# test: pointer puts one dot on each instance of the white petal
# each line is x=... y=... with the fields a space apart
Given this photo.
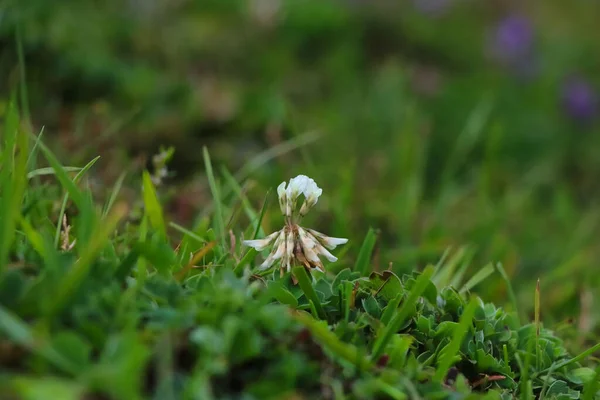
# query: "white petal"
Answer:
x=281 y=193
x=266 y=264
x=279 y=251
x=306 y=239
x=329 y=242
x=322 y=250
x=261 y=244
x=281 y=189
x=311 y=196
x=312 y=245
x=312 y=242
x=297 y=185
x=311 y=255
x=312 y=192
x=276 y=253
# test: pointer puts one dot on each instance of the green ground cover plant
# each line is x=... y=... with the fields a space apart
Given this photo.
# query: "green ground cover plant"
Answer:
x=113 y=300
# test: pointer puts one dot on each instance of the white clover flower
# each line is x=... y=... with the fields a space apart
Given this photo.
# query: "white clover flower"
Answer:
x=295 y=188
x=294 y=245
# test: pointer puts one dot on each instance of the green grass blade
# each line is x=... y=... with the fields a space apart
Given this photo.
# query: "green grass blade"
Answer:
x=32 y=158
x=479 y=277
x=63 y=177
x=251 y=254
x=445 y=271
x=390 y=309
x=580 y=357
x=49 y=171
x=22 y=77
x=509 y=288
x=468 y=137
x=458 y=276
x=247 y=259
x=527 y=392
x=449 y=352
x=591 y=387
x=13 y=181
x=442 y=261
x=347 y=288
x=237 y=189
x=546 y=382
x=306 y=285
x=114 y=193
x=73 y=189
x=386 y=334
x=43 y=247
x=393 y=392
x=537 y=325
x=525 y=384
x=126 y=265
x=257 y=228
x=152 y=206
x=330 y=340
x=187 y=232
x=274 y=152
x=363 y=261
x=212 y=182
x=19 y=332
x=81 y=268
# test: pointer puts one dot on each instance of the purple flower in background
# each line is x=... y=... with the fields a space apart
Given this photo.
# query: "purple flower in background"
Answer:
x=512 y=39
x=579 y=99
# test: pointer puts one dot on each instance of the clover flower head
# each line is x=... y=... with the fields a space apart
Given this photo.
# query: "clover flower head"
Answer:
x=293 y=244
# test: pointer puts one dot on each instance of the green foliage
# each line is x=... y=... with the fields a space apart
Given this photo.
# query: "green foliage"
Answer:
x=125 y=314
x=401 y=111
x=400 y=114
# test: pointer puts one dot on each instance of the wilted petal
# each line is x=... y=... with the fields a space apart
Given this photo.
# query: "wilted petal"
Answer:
x=308 y=242
x=289 y=251
x=329 y=242
x=268 y=263
x=319 y=267
x=261 y=244
x=276 y=254
x=313 y=243
x=312 y=246
x=280 y=249
x=310 y=254
x=322 y=250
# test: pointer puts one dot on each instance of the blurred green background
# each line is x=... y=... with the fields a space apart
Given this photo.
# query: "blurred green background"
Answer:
x=441 y=123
